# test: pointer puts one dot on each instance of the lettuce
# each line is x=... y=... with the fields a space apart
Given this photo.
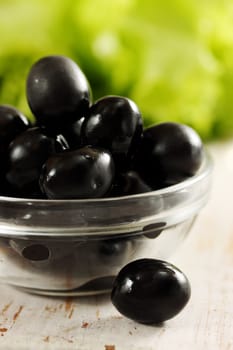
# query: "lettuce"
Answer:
x=173 y=58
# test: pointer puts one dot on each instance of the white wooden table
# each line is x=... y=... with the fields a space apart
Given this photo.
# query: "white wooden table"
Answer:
x=34 y=323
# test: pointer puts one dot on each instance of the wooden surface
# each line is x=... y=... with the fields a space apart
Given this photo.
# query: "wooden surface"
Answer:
x=33 y=322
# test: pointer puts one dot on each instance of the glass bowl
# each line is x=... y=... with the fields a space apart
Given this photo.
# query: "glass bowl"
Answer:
x=76 y=247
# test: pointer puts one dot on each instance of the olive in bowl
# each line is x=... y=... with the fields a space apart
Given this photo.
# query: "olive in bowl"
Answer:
x=86 y=240
x=57 y=90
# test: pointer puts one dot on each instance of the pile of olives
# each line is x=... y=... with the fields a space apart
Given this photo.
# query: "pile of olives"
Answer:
x=78 y=149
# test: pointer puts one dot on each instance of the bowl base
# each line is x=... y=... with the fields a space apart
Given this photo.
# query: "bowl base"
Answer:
x=102 y=285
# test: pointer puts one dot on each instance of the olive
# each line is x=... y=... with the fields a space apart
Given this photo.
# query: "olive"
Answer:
x=150 y=291
x=58 y=92
x=26 y=156
x=128 y=183
x=83 y=173
x=41 y=250
x=115 y=248
x=114 y=123
x=72 y=134
x=12 y=123
x=169 y=152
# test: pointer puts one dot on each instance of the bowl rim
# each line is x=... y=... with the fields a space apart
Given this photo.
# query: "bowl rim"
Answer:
x=205 y=169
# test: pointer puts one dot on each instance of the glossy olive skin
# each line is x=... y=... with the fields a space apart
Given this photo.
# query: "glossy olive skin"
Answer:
x=73 y=135
x=128 y=183
x=12 y=123
x=61 y=143
x=169 y=153
x=150 y=291
x=58 y=92
x=114 y=123
x=84 y=173
x=26 y=156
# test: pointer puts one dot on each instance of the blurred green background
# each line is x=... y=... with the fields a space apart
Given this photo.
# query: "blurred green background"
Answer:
x=174 y=58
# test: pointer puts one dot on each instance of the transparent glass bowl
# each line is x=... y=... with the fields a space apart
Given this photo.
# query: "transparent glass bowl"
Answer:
x=76 y=247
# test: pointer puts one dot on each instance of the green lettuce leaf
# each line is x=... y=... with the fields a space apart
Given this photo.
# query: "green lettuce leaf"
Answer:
x=173 y=58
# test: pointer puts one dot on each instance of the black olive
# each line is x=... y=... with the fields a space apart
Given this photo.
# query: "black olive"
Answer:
x=36 y=252
x=12 y=123
x=84 y=173
x=27 y=154
x=112 y=247
x=128 y=183
x=58 y=92
x=114 y=123
x=153 y=231
x=150 y=291
x=169 y=153
x=72 y=134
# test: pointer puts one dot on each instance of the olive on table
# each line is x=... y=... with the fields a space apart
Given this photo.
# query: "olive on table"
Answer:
x=83 y=173
x=150 y=291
